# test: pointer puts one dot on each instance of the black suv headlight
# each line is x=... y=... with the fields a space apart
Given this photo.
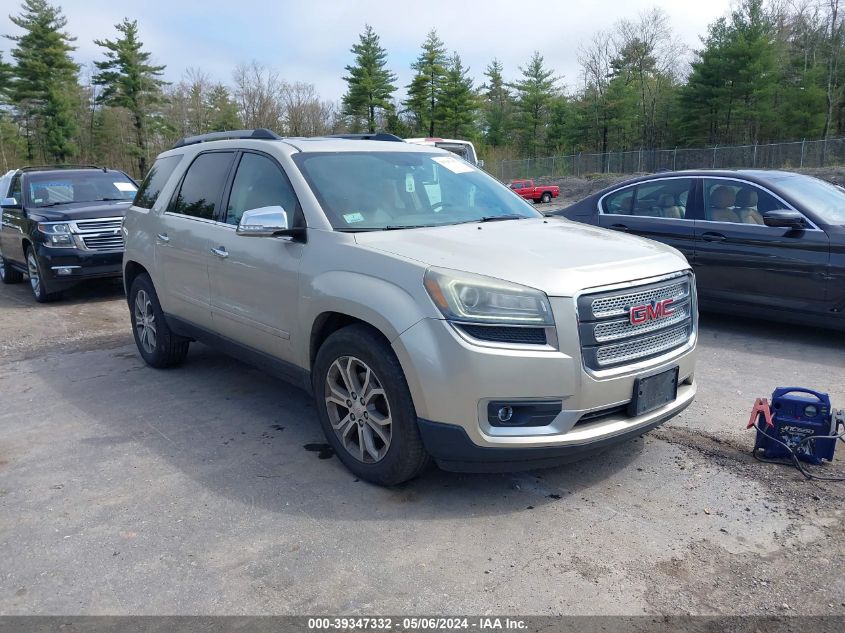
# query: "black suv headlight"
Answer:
x=57 y=234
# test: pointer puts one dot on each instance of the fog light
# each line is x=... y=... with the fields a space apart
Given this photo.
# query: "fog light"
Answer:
x=64 y=270
x=523 y=413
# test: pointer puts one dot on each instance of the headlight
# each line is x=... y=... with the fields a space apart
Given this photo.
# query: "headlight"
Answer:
x=478 y=299
x=57 y=234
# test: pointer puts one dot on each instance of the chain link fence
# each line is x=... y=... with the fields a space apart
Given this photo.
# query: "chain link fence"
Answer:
x=791 y=155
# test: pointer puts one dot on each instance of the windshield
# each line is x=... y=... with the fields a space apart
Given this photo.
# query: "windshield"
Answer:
x=57 y=188
x=369 y=191
x=822 y=199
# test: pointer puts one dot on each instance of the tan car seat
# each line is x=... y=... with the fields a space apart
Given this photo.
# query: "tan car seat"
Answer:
x=746 y=203
x=668 y=207
x=721 y=200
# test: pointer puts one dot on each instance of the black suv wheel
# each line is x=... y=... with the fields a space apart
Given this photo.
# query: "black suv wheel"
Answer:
x=9 y=275
x=37 y=283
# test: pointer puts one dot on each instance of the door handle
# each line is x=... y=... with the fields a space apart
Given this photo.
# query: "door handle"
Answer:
x=221 y=252
x=620 y=227
x=162 y=237
x=713 y=237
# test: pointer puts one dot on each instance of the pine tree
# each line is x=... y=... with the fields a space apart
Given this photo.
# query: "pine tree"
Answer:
x=44 y=80
x=370 y=82
x=130 y=81
x=729 y=95
x=223 y=111
x=5 y=79
x=425 y=86
x=457 y=103
x=534 y=93
x=498 y=106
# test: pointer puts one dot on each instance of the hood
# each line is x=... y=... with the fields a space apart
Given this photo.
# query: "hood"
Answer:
x=554 y=255
x=79 y=211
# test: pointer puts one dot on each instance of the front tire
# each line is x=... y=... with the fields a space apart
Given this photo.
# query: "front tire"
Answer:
x=37 y=283
x=546 y=197
x=157 y=344
x=365 y=407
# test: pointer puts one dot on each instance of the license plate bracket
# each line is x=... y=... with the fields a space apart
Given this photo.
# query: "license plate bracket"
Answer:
x=652 y=392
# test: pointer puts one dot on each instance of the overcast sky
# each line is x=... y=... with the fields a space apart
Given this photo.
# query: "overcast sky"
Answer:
x=309 y=40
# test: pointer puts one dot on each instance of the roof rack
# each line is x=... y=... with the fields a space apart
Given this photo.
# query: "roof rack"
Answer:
x=374 y=136
x=68 y=166
x=261 y=133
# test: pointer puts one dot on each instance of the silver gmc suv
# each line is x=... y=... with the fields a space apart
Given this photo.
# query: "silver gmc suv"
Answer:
x=431 y=312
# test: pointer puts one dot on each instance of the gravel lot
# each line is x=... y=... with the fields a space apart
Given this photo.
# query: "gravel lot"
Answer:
x=126 y=490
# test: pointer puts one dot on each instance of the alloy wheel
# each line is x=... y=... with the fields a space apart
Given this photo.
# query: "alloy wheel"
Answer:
x=358 y=409
x=34 y=275
x=145 y=321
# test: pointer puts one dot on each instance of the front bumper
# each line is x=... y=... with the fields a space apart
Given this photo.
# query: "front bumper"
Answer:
x=452 y=380
x=68 y=266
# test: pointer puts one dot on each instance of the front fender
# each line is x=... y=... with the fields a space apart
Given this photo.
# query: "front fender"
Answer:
x=386 y=306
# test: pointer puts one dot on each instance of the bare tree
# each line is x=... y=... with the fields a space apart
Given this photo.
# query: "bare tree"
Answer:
x=304 y=113
x=259 y=93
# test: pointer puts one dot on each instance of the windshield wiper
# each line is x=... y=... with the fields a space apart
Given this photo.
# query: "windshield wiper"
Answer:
x=54 y=204
x=400 y=227
x=111 y=200
x=499 y=218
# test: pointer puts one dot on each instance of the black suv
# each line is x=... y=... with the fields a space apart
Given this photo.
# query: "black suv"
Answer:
x=62 y=225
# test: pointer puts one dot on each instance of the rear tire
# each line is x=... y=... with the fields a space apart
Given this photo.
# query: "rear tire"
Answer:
x=359 y=386
x=9 y=275
x=546 y=197
x=37 y=283
x=157 y=344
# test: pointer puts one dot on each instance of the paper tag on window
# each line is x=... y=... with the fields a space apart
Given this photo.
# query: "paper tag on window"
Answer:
x=351 y=218
x=452 y=164
x=124 y=186
x=409 y=183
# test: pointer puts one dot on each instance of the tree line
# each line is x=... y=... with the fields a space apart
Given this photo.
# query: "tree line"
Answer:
x=767 y=71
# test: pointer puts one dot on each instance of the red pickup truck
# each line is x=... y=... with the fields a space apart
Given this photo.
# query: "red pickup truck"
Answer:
x=527 y=189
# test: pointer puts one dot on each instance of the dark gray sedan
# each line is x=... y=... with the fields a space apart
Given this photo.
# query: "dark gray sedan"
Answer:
x=763 y=244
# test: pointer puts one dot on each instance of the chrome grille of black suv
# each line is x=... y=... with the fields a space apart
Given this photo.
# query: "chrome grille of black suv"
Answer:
x=100 y=234
x=610 y=339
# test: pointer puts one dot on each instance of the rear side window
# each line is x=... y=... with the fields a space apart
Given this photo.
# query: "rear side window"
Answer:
x=203 y=185
x=658 y=199
x=155 y=181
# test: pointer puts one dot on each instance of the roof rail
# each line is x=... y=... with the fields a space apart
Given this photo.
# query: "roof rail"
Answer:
x=374 y=136
x=67 y=166
x=258 y=133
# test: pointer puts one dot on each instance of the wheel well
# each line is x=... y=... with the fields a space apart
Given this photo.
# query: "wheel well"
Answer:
x=327 y=324
x=130 y=272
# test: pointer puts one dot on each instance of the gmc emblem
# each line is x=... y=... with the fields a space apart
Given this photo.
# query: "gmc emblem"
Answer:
x=651 y=311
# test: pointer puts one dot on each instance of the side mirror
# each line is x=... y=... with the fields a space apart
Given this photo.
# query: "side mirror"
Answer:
x=10 y=202
x=481 y=163
x=263 y=222
x=784 y=218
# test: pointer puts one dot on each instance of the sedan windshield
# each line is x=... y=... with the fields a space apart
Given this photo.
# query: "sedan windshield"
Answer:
x=820 y=198
x=59 y=188
x=371 y=191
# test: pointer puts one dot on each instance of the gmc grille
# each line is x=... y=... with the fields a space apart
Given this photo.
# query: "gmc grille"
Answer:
x=610 y=339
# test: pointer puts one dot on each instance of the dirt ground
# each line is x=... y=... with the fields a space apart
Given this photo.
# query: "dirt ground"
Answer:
x=126 y=490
